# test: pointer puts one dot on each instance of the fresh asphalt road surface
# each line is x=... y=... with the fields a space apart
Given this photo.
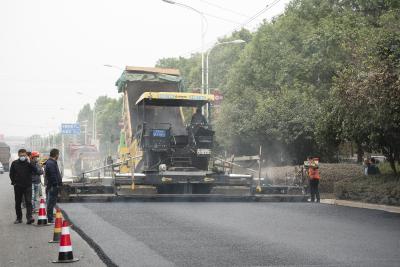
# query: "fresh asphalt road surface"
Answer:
x=239 y=234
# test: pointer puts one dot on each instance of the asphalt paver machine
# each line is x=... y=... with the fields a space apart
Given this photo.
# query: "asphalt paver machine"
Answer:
x=169 y=151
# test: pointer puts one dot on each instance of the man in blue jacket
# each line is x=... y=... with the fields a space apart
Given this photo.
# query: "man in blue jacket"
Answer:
x=53 y=182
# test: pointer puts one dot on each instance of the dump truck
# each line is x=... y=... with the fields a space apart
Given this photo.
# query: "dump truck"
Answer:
x=82 y=157
x=5 y=156
x=168 y=149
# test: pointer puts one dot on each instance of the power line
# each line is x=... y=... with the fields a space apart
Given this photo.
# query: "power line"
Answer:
x=260 y=13
x=224 y=8
x=221 y=18
x=241 y=25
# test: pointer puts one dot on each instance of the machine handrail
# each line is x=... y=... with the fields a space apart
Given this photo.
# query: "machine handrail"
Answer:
x=119 y=163
x=235 y=164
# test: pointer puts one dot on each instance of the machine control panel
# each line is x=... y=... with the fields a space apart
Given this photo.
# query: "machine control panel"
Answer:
x=160 y=139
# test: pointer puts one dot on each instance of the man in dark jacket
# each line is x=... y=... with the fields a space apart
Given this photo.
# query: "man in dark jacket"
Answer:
x=53 y=182
x=21 y=178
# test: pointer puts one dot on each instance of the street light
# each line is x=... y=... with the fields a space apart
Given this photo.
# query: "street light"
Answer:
x=238 y=41
x=203 y=33
x=112 y=66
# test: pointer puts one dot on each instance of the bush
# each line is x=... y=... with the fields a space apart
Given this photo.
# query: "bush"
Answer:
x=330 y=173
x=379 y=189
x=385 y=168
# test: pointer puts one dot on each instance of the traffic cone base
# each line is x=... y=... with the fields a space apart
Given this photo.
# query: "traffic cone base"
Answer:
x=66 y=261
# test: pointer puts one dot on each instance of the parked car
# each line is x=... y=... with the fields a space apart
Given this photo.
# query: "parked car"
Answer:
x=378 y=159
x=1 y=168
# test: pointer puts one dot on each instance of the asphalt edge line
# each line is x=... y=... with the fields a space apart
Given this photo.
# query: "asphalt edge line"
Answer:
x=97 y=249
x=361 y=205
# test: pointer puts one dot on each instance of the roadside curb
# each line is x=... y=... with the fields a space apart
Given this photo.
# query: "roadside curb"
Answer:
x=361 y=205
x=97 y=249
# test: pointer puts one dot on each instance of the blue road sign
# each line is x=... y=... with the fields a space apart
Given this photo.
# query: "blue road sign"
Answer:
x=70 y=128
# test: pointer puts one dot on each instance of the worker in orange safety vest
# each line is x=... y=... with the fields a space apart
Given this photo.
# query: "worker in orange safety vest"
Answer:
x=313 y=174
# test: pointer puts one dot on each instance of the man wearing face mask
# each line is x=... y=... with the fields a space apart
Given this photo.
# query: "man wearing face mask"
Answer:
x=53 y=182
x=21 y=178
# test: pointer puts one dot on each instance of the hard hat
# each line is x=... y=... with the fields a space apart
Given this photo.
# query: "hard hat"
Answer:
x=35 y=154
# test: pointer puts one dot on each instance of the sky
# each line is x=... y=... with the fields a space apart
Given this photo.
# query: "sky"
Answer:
x=52 y=52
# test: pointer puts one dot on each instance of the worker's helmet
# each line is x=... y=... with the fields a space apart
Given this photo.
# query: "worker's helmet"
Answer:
x=35 y=154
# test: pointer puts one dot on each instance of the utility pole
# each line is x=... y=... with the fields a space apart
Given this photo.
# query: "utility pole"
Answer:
x=94 y=126
x=203 y=34
x=84 y=124
x=63 y=149
x=259 y=165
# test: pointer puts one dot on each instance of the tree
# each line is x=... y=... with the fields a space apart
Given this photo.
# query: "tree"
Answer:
x=85 y=119
x=221 y=60
x=108 y=116
x=223 y=57
x=190 y=68
x=290 y=62
x=367 y=91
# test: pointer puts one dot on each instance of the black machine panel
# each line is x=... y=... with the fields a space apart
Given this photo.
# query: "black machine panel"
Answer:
x=159 y=140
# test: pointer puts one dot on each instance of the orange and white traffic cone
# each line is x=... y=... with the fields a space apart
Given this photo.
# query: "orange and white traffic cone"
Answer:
x=57 y=227
x=42 y=216
x=65 y=251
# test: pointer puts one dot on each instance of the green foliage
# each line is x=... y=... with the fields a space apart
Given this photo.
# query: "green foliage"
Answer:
x=220 y=61
x=223 y=57
x=190 y=68
x=108 y=114
x=367 y=90
x=385 y=168
x=85 y=119
x=287 y=71
x=85 y=114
